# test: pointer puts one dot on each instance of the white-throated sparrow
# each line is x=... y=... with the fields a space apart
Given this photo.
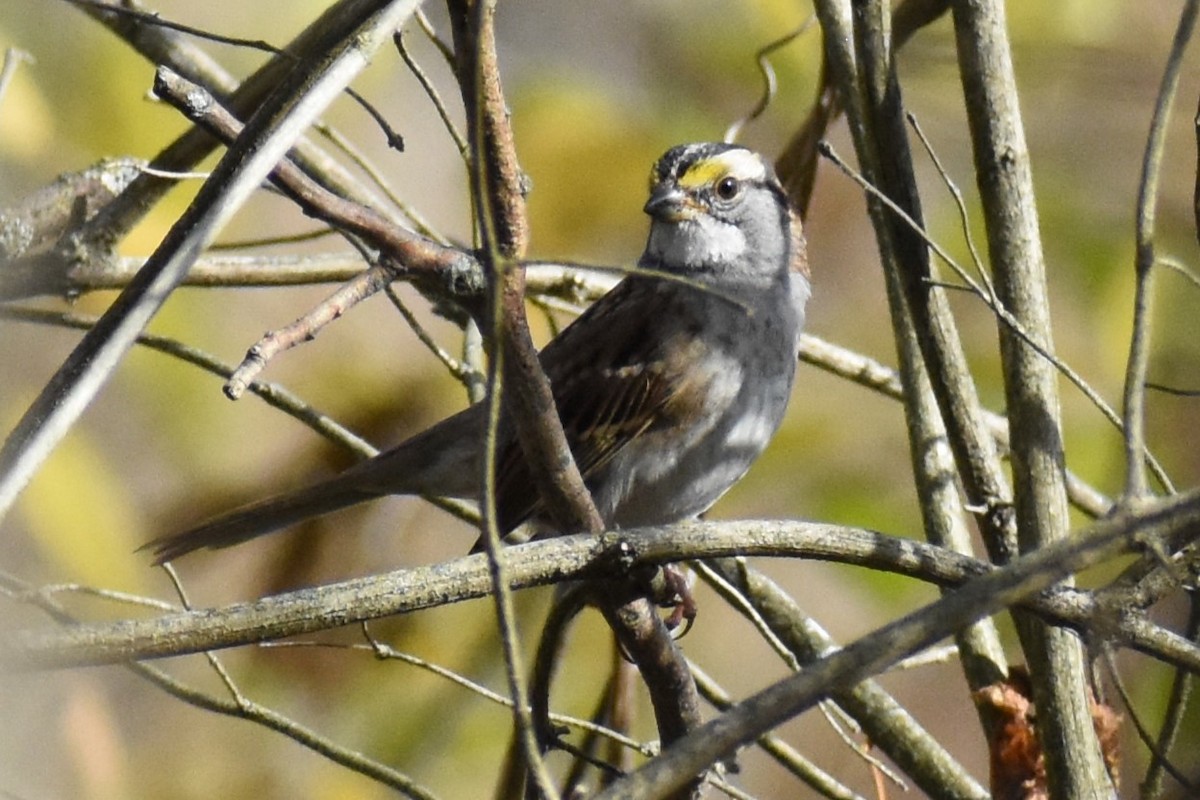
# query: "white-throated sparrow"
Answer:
x=668 y=387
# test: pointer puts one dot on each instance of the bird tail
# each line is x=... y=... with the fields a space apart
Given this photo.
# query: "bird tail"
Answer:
x=442 y=460
x=260 y=518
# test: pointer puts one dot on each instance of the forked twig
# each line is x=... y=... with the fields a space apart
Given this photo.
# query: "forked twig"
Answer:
x=432 y=93
x=1136 y=487
x=997 y=308
x=347 y=42
x=306 y=328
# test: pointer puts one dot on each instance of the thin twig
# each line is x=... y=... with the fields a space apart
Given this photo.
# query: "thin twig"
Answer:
x=877 y=377
x=432 y=93
x=784 y=754
x=442 y=46
x=1180 y=268
x=274 y=395
x=1173 y=390
x=306 y=328
x=959 y=203
x=386 y=652
x=998 y=309
x=887 y=724
x=159 y=21
x=360 y=160
x=1158 y=756
x=242 y=708
x=272 y=241
x=767 y=71
x=12 y=59
x=844 y=727
x=350 y=39
x=1136 y=487
x=1177 y=705
x=461 y=372
x=732 y=595
x=156 y=20
x=49 y=591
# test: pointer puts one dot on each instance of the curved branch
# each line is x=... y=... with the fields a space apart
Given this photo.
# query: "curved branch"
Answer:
x=584 y=557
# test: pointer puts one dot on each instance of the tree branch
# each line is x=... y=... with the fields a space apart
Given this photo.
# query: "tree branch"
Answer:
x=1074 y=764
x=610 y=555
x=877 y=651
x=351 y=30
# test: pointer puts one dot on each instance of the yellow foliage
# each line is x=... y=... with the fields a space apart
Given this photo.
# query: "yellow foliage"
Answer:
x=80 y=515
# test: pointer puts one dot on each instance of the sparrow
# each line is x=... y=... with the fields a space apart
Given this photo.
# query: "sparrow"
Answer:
x=668 y=387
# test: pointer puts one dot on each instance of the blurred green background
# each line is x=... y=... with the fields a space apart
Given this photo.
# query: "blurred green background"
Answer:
x=597 y=92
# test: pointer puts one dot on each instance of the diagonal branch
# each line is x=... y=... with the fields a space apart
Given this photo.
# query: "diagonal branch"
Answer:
x=351 y=30
x=879 y=650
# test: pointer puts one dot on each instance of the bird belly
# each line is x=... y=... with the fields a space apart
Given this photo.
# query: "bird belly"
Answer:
x=664 y=483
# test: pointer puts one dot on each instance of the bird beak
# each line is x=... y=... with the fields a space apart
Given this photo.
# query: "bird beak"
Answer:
x=669 y=204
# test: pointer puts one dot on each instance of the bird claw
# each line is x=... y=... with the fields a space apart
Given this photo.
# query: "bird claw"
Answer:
x=679 y=598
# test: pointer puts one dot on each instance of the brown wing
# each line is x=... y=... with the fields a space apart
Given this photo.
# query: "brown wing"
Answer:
x=610 y=384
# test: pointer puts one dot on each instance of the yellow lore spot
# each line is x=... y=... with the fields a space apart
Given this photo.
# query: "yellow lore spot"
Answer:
x=740 y=164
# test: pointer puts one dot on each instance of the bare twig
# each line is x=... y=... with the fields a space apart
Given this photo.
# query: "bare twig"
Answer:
x=987 y=594
x=770 y=85
x=164 y=47
x=797 y=164
x=886 y=723
x=274 y=395
x=461 y=372
x=982 y=474
x=383 y=651
x=1136 y=486
x=240 y=707
x=502 y=227
x=813 y=776
x=360 y=160
x=401 y=249
x=987 y=294
x=1177 y=704
x=585 y=556
x=394 y=139
x=12 y=59
x=1158 y=757
x=432 y=93
x=961 y=205
x=353 y=29
x=883 y=379
x=304 y=329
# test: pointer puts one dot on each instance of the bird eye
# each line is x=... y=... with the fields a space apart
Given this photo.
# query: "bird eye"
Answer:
x=728 y=188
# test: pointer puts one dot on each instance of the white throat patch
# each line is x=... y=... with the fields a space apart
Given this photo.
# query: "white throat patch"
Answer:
x=702 y=240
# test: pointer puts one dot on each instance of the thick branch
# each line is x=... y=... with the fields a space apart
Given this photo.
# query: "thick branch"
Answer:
x=1074 y=764
x=877 y=651
x=590 y=557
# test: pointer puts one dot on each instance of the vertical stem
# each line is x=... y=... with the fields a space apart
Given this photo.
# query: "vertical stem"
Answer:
x=1139 y=341
x=911 y=298
x=500 y=219
x=1074 y=764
